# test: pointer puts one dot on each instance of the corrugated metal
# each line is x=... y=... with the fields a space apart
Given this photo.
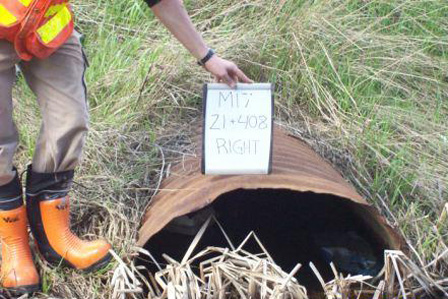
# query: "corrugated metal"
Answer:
x=295 y=166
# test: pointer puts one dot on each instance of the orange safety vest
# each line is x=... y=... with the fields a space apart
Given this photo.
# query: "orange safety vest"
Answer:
x=36 y=27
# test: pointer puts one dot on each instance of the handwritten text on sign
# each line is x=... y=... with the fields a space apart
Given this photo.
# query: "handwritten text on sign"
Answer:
x=238 y=129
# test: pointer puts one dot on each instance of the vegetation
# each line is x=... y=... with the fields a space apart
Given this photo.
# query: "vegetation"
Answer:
x=365 y=82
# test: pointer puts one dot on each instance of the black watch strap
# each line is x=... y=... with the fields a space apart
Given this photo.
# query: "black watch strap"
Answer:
x=207 y=57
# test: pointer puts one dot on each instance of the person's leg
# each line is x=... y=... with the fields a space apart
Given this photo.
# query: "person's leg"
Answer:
x=58 y=82
x=18 y=272
x=8 y=132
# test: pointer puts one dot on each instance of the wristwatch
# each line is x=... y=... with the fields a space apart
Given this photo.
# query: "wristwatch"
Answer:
x=207 y=57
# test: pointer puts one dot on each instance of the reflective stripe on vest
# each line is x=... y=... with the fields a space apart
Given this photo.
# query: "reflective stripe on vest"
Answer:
x=12 y=11
x=6 y=18
x=52 y=10
x=26 y=2
x=50 y=30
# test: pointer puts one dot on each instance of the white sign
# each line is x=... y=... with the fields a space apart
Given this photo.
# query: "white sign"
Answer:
x=237 y=129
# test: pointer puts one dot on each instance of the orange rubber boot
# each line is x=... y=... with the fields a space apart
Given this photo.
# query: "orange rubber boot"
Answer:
x=48 y=207
x=59 y=246
x=18 y=273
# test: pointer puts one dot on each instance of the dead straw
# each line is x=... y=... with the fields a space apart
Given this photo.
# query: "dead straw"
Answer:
x=226 y=273
x=234 y=272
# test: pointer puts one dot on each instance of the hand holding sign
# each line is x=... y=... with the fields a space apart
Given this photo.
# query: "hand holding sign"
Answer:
x=237 y=129
x=226 y=71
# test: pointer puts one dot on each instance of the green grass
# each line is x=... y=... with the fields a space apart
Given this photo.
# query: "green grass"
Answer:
x=368 y=79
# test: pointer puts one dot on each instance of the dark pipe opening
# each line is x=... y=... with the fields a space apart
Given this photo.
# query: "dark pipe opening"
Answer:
x=295 y=227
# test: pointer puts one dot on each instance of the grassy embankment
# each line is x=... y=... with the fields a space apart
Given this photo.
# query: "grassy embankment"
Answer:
x=365 y=82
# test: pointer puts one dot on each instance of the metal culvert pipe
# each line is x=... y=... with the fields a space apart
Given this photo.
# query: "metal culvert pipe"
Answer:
x=310 y=184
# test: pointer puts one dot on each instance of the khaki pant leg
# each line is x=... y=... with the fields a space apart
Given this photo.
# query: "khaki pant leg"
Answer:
x=8 y=131
x=58 y=82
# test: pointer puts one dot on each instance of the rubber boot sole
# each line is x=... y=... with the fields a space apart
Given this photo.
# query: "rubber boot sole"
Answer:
x=20 y=291
x=99 y=265
x=66 y=264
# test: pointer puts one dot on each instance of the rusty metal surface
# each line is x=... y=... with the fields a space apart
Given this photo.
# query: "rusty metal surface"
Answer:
x=295 y=166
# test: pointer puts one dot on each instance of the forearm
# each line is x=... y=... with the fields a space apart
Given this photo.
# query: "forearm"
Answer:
x=173 y=15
